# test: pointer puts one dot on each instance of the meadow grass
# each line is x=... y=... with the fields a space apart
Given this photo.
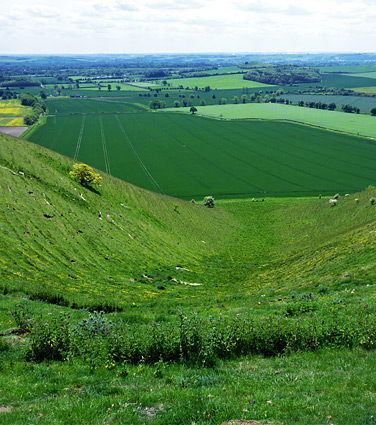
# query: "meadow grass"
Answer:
x=363 y=125
x=234 y=81
x=365 y=104
x=367 y=90
x=365 y=74
x=277 y=263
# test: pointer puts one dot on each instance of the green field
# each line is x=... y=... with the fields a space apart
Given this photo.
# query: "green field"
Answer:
x=349 y=68
x=90 y=106
x=365 y=104
x=190 y=157
x=346 y=81
x=365 y=74
x=367 y=90
x=363 y=125
x=234 y=81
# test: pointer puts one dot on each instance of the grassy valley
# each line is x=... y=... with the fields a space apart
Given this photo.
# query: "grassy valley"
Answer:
x=130 y=301
x=143 y=258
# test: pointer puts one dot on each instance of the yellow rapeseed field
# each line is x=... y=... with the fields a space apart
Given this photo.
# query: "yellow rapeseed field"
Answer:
x=12 y=113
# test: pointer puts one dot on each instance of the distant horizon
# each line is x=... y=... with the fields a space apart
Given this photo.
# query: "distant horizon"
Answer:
x=229 y=53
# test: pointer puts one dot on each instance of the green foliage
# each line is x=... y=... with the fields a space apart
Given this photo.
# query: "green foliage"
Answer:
x=209 y=201
x=49 y=339
x=283 y=75
x=84 y=174
x=197 y=340
x=373 y=112
x=23 y=318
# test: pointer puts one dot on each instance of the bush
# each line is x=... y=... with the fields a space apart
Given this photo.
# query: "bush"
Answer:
x=84 y=174
x=209 y=201
x=372 y=201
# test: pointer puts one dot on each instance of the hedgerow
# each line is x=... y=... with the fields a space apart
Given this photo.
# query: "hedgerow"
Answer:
x=196 y=340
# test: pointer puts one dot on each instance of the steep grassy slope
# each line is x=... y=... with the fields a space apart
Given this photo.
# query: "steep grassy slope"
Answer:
x=296 y=264
x=59 y=236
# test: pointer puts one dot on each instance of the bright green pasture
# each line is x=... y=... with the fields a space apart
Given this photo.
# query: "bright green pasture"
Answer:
x=364 y=125
x=189 y=157
x=234 y=81
x=368 y=90
x=123 y=86
x=350 y=68
x=77 y=106
x=94 y=92
x=344 y=81
x=365 y=104
x=365 y=75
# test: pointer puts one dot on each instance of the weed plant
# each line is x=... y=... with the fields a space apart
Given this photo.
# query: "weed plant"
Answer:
x=196 y=340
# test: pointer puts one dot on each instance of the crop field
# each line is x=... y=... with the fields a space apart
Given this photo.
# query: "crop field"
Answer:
x=363 y=125
x=11 y=122
x=345 y=81
x=9 y=108
x=123 y=86
x=365 y=104
x=82 y=106
x=368 y=90
x=351 y=68
x=364 y=75
x=190 y=157
x=234 y=81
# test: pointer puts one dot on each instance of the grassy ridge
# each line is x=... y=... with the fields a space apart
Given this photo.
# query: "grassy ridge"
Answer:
x=92 y=242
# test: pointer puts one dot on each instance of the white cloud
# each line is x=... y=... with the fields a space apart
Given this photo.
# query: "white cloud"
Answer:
x=181 y=25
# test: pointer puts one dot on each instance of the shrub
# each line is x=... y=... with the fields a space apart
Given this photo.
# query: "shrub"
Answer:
x=50 y=340
x=372 y=201
x=209 y=201
x=84 y=174
x=22 y=318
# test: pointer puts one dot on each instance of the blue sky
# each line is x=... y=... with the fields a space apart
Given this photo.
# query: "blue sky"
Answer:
x=172 y=26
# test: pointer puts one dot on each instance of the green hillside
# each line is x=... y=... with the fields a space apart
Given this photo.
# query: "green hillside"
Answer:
x=223 y=313
x=84 y=244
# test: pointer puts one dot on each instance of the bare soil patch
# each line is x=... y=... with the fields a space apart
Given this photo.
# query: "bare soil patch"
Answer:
x=13 y=131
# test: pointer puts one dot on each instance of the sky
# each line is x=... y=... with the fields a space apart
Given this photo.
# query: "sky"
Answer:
x=186 y=26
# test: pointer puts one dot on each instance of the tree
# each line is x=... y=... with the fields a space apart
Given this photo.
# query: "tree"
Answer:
x=43 y=94
x=193 y=110
x=118 y=88
x=109 y=87
x=84 y=174
x=373 y=112
x=244 y=98
x=332 y=106
x=236 y=100
x=209 y=201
